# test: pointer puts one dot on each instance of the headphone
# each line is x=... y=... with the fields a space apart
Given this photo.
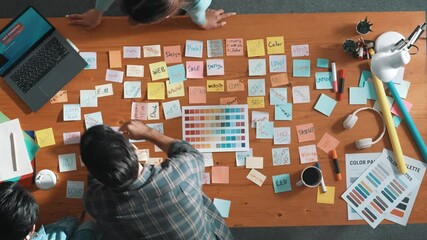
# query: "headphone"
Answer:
x=351 y=120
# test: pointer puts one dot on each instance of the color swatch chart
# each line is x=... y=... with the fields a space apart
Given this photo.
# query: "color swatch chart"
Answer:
x=379 y=190
x=216 y=128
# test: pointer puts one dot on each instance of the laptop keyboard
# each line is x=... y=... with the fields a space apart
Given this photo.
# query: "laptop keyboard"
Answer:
x=35 y=68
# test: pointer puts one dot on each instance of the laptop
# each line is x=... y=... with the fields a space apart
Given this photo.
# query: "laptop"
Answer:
x=35 y=60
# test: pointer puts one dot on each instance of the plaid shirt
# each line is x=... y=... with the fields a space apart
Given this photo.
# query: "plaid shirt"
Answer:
x=165 y=202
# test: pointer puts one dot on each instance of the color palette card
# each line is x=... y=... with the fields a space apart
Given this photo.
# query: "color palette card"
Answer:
x=379 y=189
x=216 y=128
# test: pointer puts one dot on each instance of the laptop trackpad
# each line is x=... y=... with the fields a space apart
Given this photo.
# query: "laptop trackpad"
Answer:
x=49 y=88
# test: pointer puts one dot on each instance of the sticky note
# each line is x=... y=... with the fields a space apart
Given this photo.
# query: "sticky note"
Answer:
x=325 y=105
x=206 y=178
x=67 y=162
x=307 y=154
x=154 y=161
x=283 y=111
x=135 y=70
x=255 y=48
x=403 y=88
x=155 y=91
x=234 y=46
x=264 y=130
x=215 y=48
x=175 y=89
x=194 y=48
x=90 y=58
x=322 y=63
x=282 y=135
x=45 y=137
x=172 y=54
x=396 y=111
x=256 y=177
x=256 y=102
x=397 y=120
x=279 y=79
x=177 y=73
x=220 y=174
x=138 y=111
x=208 y=158
x=131 y=52
x=228 y=101
x=241 y=157
x=323 y=80
x=282 y=183
x=300 y=50
x=60 y=97
x=364 y=76
x=328 y=143
x=223 y=206
x=88 y=98
x=132 y=89
x=215 y=67
x=256 y=87
x=235 y=85
x=258 y=116
x=278 y=96
x=301 y=94
x=278 y=63
x=75 y=189
x=104 y=90
x=71 y=138
x=152 y=51
x=172 y=109
x=255 y=162
x=275 y=45
x=115 y=59
x=72 y=112
x=93 y=119
x=257 y=67
x=370 y=90
x=357 y=95
x=215 y=85
x=153 y=111
x=305 y=132
x=194 y=69
x=301 y=68
x=143 y=154
x=327 y=197
x=158 y=70
x=196 y=95
x=114 y=76
x=281 y=156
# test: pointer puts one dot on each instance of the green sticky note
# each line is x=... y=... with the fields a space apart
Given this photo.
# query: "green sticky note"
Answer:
x=282 y=183
x=322 y=63
x=325 y=105
x=301 y=68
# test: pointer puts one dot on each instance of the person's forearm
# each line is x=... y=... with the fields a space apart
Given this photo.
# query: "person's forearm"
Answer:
x=103 y=5
x=162 y=141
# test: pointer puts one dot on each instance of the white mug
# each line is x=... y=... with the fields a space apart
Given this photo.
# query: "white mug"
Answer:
x=310 y=177
x=46 y=179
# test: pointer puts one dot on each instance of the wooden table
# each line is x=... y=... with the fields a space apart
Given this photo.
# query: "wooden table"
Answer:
x=250 y=205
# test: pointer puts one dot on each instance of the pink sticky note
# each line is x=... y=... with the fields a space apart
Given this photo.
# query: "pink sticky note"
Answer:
x=396 y=111
x=305 y=132
x=308 y=154
x=139 y=111
x=220 y=174
x=196 y=95
x=206 y=178
x=328 y=143
x=172 y=54
x=194 y=69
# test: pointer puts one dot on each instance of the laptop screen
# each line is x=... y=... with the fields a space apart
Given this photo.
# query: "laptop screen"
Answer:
x=20 y=36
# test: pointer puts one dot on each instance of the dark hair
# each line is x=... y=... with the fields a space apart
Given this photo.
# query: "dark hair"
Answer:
x=18 y=211
x=109 y=157
x=148 y=11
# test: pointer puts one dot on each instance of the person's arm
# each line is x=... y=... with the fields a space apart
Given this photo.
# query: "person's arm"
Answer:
x=92 y=17
x=204 y=17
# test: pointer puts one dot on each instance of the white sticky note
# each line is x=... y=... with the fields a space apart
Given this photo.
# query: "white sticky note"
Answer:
x=131 y=52
x=71 y=138
x=135 y=70
x=278 y=63
x=93 y=119
x=152 y=51
x=208 y=158
x=132 y=89
x=72 y=112
x=104 y=90
x=114 y=76
x=255 y=162
x=88 y=98
x=90 y=58
x=257 y=67
x=300 y=50
x=215 y=67
x=67 y=162
x=258 y=116
x=75 y=189
x=301 y=94
x=256 y=177
x=143 y=154
x=282 y=135
x=256 y=87
x=241 y=157
x=153 y=111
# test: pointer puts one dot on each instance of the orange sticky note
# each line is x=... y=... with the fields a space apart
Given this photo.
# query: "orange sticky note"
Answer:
x=215 y=85
x=305 y=132
x=60 y=97
x=220 y=174
x=279 y=79
x=328 y=143
x=234 y=46
x=115 y=59
x=255 y=48
x=45 y=137
x=256 y=102
x=235 y=85
x=275 y=45
x=228 y=101
x=172 y=54
x=155 y=90
x=196 y=95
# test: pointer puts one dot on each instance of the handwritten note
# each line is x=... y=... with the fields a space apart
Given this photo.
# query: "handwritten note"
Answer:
x=194 y=69
x=208 y=158
x=322 y=63
x=282 y=135
x=234 y=46
x=282 y=183
x=357 y=95
x=215 y=85
x=135 y=70
x=88 y=98
x=115 y=59
x=152 y=51
x=323 y=80
x=45 y=137
x=75 y=189
x=114 y=76
x=256 y=177
x=215 y=48
x=275 y=45
x=325 y=105
x=235 y=85
x=60 y=97
x=223 y=206
x=196 y=95
x=256 y=87
x=132 y=89
x=307 y=154
x=153 y=111
x=300 y=50
x=305 y=132
x=283 y=111
x=72 y=112
x=215 y=67
x=301 y=94
x=257 y=67
x=172 y=54
x=194 y=48
x=280 y=156
x=279 y=80
x=158 y=70
x=175 y=89
x=206 y=178
x=104 y=90
x=131 y=52
x=143 y=154
x=172 y=109
x=278 y=63
x=264 y=130
x=328 y=143
x=67 y=162
x=176 y=73
x=71 y=138
x=328 y=197
x=258 y=116
x=255 y=48
x=278 y=96
x=301 y=68
x=90 y=58
x=256 y=102
x=220 y=174
x=138 y=111
x=255 y=162
x=155 y=91
x=241 y=157
x=228 y=101
x=93 y=119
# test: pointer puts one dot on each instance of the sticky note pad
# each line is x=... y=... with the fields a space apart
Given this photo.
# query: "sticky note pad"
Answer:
x=328 y=197
x=223 y=206
x=115 y=59
x=257 y=67
x=281 y=156
x=255 y=48
x=220 y=174
x=256 y=177
x=72 y=112
x=279 y=79
x=215 y=48
x=172 y=109
x=235 y=85
x=114 y=76
x=282 y=183
x=300 y=50
x=104 y=90
x=196 y=95
x=132 y=89
x=275 y=45
x=357 y=95
x=75 y=189
x=325 y=105
x=264 y=130
x=282 y=135
x=60 y=97
x=278 y=96
x=175 y=89
x=158 y=70
x=131 y=52
x=234 y=46
x=241 y=157
x=45 y=137
x=194 y=69
x=255 y=162
x=301 y=68
x=322 y=63
x=90 y=58
x=135 y=70
x=278 y=63
x=305 y=132
x=215 y=85
x=328 y=143
x=256 y=87
x=194 y=48
x=307 y=154
x=93 y=119
x=323 y=80
x=67 y=162
x=152 y=51
x=172 y=54
x=256 y=102
x=215 y=67
x=155 y=91
x=176 y=73
x=301 y=94
x=88 y=98
x=283 y=111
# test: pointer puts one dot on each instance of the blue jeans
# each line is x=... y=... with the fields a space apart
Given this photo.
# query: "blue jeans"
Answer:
x=68 y=229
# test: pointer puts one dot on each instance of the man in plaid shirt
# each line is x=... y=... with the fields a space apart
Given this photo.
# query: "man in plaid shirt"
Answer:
x=131 y=201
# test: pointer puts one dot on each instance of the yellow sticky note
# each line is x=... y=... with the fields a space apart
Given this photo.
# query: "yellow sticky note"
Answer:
x=328 y=197
x=158 y=70
x=215 y=86
x=275 y=45
x=256 y=102
x=155 y=90
x=45 y=137
x=255 y=48
x=175 y=89
x=115 y=59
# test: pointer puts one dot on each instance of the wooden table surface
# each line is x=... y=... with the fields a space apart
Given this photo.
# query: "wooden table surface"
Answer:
x=250 y=205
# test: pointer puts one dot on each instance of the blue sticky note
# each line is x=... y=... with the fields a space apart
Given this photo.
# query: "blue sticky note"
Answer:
x=357 y=95
x=325 y=105
x=241 y=157
x=281 y=156
x=322 y=63
x=257 y=67
x=172 y=109
x=88 y=98
x=282 y=183
x=67 y=162
x=277 y=63
x=264 y=130
x=223 y=206
x=301 y=68
x=370 y=90
x=364 y=77
x=278 y=96
x=283 y=111
x=215 y=48
x=397 y=120
x=93 y=119
x=71 y=112
x=194 y=48
x=256 y=87
x=323 y=80
x=132 y=89
x=75 y=189
x=176 y=73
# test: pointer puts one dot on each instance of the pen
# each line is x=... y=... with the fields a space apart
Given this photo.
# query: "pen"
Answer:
x=334 y=76
x=12 y=148
x=341 y=84
x=322 y=182
x=334 y=157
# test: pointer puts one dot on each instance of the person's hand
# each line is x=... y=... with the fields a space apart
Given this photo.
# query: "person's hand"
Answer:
x=135 y=129
x=90 y=19
x=214 y=18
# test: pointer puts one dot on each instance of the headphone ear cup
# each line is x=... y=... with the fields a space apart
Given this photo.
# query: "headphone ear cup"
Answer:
x=349 y=121
x=364 y=143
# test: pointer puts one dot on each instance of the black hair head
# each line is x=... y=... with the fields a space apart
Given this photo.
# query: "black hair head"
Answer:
x=148 y=11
